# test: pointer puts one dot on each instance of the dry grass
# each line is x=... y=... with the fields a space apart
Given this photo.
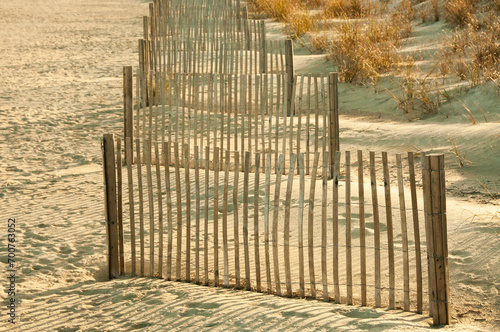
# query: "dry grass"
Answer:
x=473 y=54
x=420 y=93
x=366 y=48
x=320 y=41
x=293 y=13
x=460 y=156
x=345 y=8
x=278 y=9
x=469 y=115
x=429 y=11
x=299 y=22
x=365 y=42
x=460 y=12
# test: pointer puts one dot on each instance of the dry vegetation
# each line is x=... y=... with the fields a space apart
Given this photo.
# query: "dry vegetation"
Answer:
x=364 y=39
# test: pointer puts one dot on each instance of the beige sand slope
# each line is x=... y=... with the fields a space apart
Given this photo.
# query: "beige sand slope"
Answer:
x=60 y=68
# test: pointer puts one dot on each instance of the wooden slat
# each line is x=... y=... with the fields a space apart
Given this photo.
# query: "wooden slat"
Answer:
x=277 y=124
x=159 y=194
x=129 y=156
x=224 y=220
x=137 y=106
x=141 y=203
x=119 y=182
x=166 y=165
x=404 y=234
x=203 y=120
x=290 y=75
x=301 y=225
x=149 y=92
x=376 y=229
x=163 y=102
x=284 y=120
x=111 y=208
x=362 y=227
x=128 y=106
x=149 y=177
x=300 y=107
x=324 y=113
x=143 y=81
x=316 y=114
x=205 y=229
x=179 y=212
x=426 y=179
x=390 y=231
x=256 y=201
x=348 y=226
x=308 y=123
x=286 y=227
x=335 y=216
x=216 y=216
x=245 y=220
x=236 y=220
x=277 y=188
x=258 y=83
x=266 y=222
x=439 y=233
x=310 y=225
x=333 y=112
x=324 y=203
x=416 y=231
x=187 y=186
x=198 y=212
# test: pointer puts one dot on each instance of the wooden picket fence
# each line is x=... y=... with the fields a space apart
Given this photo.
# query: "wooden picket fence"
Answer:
x=208 y=37
x=208 y=76
x=240 y=113
x=231 y=140
x=345 y=240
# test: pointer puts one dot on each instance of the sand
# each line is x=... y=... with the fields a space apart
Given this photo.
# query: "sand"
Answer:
x=60 y=68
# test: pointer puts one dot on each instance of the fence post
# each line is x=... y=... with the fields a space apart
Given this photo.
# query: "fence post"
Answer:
x=128 y=108
x=108 y=150
x=263 y=48
x=289 y=76
x=334 y=129
x=437 y=242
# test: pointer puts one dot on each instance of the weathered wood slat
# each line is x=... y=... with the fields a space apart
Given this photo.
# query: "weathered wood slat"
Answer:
x=141 y=204
x=390 y=231
x=362 y=227
x=256 y=221
x=335 y=216
x=129 y=156
x=416 y=231
x=111 y=205
x=404 y=234
x=348 y=227
x=310 y=225
x=277 y=188
x=119 y=181
x=159 y=194
x=376 y=229
x=286 y=226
